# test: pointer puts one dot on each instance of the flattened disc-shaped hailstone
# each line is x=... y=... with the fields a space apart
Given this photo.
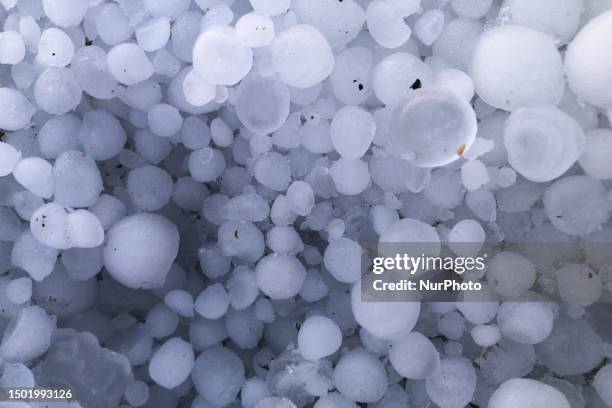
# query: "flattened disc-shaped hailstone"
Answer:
x=140 y=250
x=432 y=128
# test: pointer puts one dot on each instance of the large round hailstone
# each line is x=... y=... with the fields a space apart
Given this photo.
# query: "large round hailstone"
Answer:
x=262 y=104
x=414 y=356
x=206 y=164
x=398 y=75
x=171 y=363
x=514 y=66
x=603 y=384
x=342 y=258
x=140 y=249
x=55 y=48
x=273 y=171
x=65 y=13
x=218 y=375
x=319 y=337
x=78 y=182
x=510 y=274
x=526 y=322
x=578 y=284
x=386 y=24
x=350 y=176
x=48 y=225
x=91 y=72
x=432 y=128
x=149 y=187
x=360 y=376
x=129 y=64
x=586 y=61
x=56 y=91
x=339 y=21
x=16 y=111
x=577 y=205
x=12 y=47
x=453 y=385
x=542 y=142
x=385 y=320
x=220 y=57
x=595 y=158
x=302 y=56
x=525 y=392
x=352 y=131
x=164 y=120
x=280 y=276
x=350 y=79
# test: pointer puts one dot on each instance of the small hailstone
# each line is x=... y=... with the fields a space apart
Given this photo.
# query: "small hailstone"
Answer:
x=12 y=48
x=270 y=7
x=386 y=24
x=280 y=276
x=197 y=91
x=84 y=229
x=55 y=48
x=172 y=362
x=220 y=57
x=101 y=135
x=161 y=321
x=218 y=375
x=255 y=30
x=9 y=157
x=36 y=175
x=220 y=133
x=510 y=285
x=420 y=128
x=153 y=35
x=264 y=310
x=587 y=51
x=528 y=393
x=28 y=336
x=578 y=284
x=466 y=238
x=302 y=56
x=254 y=390
x=56 y=91
x=77 y=180
x=19 y=290
x=429 y=26
x=206 y=164
x=594 y=159
x=16 y=111
x=414 y=356
x=241 y=239
x=342 y=259
x=505 y=55
x=526 y=323
x=301 y=197
x=59 y=134
x=140 y=249
x=164 y=120
x=129 y=64
x=398 y=75
x=542 y=142
x=149 y=187
x=108 y=209
x=91 y=72
x=318 y=337
x=386 y=320
x=262 y=104
x=577 y=205
x=112 y=25
x=65 y=13
x=352 y=131
x=350 y=176
x=48 y=225
x=350 y=79
x=453 y=384
x=137 y=393
x=242 y=288
x=602 y=382
x=561 y=19
x=273 y=171
x=213 y=302
x=360 y=376
x=219 y=15
x=486 y=335
x=195 y=133
x=482 y=203
x=33 y=257
x=474 y=175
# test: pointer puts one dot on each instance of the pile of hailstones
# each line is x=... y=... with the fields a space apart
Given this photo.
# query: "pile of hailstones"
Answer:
x=184 y=186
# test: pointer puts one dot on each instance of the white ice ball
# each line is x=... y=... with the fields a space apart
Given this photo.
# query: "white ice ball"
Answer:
x=515 y=66
x=526 y=392
x=414 y=356
x=36 y=175
x=12 y=47
x=318 y=337
x=453 y=385
x=129 y=64
x=262 y=104
x=280 y=276
x=352 y=131
x=594 y=158
x=16 y=111
x=55 y=48
x=171 y=363
x=56 y=91
x=350 y=176
x=360 y=376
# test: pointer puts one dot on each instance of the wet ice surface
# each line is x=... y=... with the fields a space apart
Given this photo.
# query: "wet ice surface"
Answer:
x=187 y=188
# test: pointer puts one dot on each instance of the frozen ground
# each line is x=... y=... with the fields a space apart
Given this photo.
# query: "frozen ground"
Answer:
x=187 y=189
